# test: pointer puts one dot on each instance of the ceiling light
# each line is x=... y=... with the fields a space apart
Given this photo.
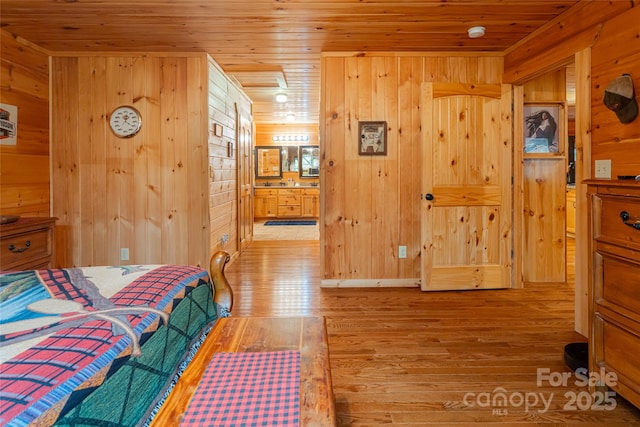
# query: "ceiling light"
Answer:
x=281 y=97
x=475 y=32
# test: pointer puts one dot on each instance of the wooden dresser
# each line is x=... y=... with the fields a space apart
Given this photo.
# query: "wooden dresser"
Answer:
x=27 y=244
x=614 y=299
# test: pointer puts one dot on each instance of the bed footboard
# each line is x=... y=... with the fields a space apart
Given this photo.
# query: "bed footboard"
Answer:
x=223 y=295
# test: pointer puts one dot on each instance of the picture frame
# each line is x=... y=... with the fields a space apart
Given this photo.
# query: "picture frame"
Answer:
x=372 y=138
x=542 y=129
x=217 y=129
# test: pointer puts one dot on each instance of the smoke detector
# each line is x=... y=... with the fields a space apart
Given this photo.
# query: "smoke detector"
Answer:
x=476 y=32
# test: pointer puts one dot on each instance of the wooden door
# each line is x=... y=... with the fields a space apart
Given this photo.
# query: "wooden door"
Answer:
x=467 y=186
x=245 y=182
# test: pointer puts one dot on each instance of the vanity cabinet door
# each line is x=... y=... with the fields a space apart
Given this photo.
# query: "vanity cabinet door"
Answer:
x=265 y=203
x=311 y=203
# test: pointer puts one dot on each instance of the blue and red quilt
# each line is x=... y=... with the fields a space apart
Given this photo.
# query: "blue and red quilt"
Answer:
x=66 y=330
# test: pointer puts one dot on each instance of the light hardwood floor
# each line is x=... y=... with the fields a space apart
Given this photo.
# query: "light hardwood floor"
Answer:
x=409 y=358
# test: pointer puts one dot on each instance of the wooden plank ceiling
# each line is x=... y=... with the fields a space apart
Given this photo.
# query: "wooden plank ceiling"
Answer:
x=274 y=46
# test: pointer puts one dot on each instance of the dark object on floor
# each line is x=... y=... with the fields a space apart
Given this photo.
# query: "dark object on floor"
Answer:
x=576 y=355
x=291 y=222
x=8 y=219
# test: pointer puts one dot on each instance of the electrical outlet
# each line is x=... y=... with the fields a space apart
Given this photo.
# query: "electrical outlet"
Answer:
x=402 y=251
x=124 y=254
x=603 y=169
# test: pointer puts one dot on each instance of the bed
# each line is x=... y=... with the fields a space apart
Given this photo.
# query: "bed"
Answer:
x=102 y=345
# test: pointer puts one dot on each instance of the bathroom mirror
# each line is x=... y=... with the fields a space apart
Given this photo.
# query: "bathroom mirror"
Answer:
x=309 y=161
x=268 y=163
x=290 y=158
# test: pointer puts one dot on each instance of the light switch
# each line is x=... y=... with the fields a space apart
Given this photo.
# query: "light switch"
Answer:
x=603 y=169
x=402 y=251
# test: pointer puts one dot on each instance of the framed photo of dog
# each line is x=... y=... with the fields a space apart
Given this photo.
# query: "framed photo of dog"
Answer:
x=372 y=138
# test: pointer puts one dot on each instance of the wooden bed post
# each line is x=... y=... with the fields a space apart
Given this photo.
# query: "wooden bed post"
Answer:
x=223 y=294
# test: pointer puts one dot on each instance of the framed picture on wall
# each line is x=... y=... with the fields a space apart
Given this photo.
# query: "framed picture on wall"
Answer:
x=542 y=124
x=372 y=138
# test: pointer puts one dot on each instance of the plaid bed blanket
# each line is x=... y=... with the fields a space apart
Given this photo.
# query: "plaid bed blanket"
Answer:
x=64 y=332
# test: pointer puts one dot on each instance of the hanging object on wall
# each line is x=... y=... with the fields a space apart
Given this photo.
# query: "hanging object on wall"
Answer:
x=373 y=138
x=619 y=97
x=8 y=124
x=125 y=121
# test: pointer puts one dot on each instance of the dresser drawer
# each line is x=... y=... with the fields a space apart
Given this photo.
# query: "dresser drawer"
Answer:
x=618 y=283
x=608 y=224
x=618 y=350
x=15 y=248
x=27 y=244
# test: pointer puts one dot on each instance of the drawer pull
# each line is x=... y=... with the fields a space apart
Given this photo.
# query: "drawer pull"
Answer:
x=15 y=250
x=625 y=217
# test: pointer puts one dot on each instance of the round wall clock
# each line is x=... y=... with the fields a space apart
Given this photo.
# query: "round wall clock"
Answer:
x=125 y=121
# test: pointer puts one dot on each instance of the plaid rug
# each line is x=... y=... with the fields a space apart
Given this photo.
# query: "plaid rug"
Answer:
x=247 y=389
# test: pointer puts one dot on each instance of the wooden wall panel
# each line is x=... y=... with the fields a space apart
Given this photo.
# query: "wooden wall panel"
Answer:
x=544 y=220
x=616 y=51
x=144 y=193
x=371 y=204
x=224 y=99
x=544 y=183
x=169 y=193
x=266 y=131
x=612 y=51
x=24 y=167
x=553 y=46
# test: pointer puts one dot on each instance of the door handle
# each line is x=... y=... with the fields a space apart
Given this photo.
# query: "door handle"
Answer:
x=624 y=215
x=428 y=196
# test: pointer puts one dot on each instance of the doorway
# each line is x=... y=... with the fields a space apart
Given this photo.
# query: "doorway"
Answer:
x=289 y=191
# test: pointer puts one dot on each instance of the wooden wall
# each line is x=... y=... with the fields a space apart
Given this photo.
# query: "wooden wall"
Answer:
x=371 y=204
x=226 y=103
x=266 y=131
x=544 y=185
x=616 y=51
x=150 y=193
x=24 y=168
x=594 y=35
